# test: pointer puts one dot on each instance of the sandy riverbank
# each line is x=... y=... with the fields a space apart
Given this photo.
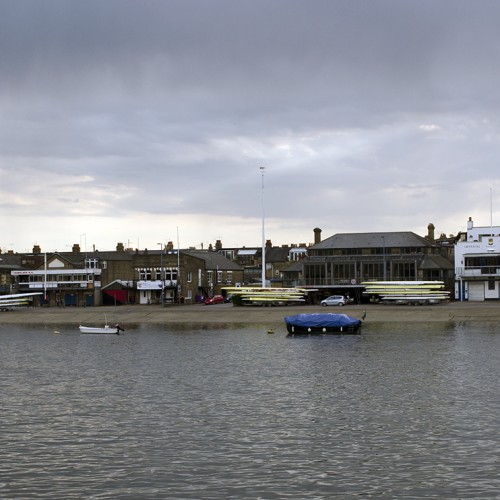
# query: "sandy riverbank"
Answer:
x=229 y=314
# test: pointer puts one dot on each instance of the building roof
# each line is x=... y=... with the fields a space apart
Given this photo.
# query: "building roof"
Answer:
x=373 y=240
x=213 y=260
x=294 y=267
x=277 y=254
x=119 y=284
x=436 y=262
x=10 y=261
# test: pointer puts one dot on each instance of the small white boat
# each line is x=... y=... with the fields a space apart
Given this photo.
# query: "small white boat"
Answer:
x=99 y=329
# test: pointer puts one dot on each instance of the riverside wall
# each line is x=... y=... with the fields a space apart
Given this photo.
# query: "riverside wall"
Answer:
x=229 y=314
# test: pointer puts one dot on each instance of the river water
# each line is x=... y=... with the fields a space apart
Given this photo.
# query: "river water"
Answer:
x=400 y=411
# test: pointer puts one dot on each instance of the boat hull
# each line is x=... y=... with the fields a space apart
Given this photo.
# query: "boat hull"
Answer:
x=319 y=324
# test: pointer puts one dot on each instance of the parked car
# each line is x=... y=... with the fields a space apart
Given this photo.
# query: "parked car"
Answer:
x=216 y=299
x=334 y=300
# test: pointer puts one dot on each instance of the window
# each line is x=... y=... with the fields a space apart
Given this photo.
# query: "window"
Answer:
x=229 y=254
x=491 y=284
x=404 y=271
x=91 y=263
x=171 y=274
x=229 y=276
x=189 y=277
x=219 y=276
x=297 y=254
x=373 y=271
x=145 y=274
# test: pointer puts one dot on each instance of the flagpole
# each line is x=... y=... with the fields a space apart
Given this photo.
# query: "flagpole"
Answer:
x=262 y=169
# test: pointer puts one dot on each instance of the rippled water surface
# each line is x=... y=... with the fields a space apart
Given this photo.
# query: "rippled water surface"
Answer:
x=400 y=411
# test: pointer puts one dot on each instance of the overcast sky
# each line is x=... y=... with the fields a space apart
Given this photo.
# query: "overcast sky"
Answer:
x=148 y=121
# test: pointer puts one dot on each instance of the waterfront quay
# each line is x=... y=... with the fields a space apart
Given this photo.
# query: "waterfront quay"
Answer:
x=229 y=314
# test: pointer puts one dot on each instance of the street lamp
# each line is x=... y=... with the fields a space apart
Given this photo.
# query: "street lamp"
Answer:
x=162 y=276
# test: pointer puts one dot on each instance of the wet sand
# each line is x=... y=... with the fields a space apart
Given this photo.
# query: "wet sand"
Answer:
x=229 y=314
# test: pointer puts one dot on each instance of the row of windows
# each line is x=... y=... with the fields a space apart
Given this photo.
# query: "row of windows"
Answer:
x=171 y=274
x=51 y=278
x=369 y=251
x=220 y=278
x=483 y=261
x=146 y=274
x=150 y=273
x=365 y=271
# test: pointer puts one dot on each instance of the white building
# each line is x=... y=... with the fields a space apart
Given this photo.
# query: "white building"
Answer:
x=477 y=263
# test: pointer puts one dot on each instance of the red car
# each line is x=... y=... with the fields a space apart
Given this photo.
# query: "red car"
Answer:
x=216 y=299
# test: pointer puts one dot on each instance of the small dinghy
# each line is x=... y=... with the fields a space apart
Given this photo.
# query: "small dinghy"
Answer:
x=102 y=329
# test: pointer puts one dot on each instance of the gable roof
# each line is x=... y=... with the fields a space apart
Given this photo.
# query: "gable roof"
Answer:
x=64 y=258
x=373 y=240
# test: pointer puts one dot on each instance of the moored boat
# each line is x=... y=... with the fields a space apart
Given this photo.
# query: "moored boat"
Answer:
x=105 y=329
x=317 y=323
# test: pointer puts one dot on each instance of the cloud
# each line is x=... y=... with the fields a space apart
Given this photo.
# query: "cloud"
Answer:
x=121 y=120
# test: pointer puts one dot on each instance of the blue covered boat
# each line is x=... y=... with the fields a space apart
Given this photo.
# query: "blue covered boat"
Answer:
x=317 y=323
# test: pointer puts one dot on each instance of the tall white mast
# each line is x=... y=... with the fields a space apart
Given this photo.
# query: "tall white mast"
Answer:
x=262 y=169
x=491 y=211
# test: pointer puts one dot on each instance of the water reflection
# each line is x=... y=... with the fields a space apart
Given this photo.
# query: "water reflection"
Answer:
x=406 y=410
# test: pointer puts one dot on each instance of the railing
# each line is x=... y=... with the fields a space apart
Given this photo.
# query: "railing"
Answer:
x=477 y=272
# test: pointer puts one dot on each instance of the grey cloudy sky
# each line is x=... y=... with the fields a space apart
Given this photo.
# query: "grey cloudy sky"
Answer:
x=144 y=121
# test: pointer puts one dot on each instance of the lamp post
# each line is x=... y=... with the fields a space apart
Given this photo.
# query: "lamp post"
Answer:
x=162 y=276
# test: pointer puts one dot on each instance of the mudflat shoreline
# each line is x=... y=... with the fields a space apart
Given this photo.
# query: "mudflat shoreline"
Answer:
x=229 y=314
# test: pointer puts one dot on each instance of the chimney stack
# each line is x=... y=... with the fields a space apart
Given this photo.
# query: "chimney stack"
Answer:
x=317 y=235
x=430 y=232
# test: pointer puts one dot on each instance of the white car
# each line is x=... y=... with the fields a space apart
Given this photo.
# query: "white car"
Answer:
x=334 y=300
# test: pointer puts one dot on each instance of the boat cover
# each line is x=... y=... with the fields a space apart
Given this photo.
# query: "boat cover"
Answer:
x=325 y=320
